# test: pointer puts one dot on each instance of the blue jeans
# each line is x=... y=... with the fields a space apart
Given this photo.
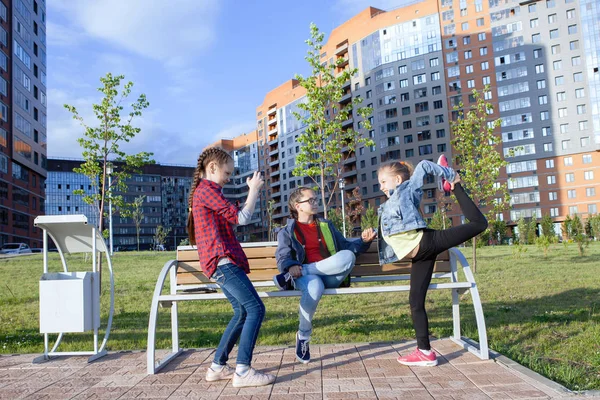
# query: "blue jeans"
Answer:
x=248 y=314
x=316 y=277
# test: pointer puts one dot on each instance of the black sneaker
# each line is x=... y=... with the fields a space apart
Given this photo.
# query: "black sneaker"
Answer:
x=283 y=281
x=302 y=350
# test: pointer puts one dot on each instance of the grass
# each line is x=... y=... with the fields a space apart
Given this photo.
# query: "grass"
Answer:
x=541 y=312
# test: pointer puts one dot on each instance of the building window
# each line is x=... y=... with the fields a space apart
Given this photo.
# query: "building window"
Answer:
x=570 y=177
x=585 y=141
x=572 y=29
x=588 y=175
x=549 y=164
x=568 y=161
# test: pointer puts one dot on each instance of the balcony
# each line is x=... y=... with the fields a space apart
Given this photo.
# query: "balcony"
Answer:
x=273 y=131
x=275 y=183
x=341 y=50
x=350 y=187
x=346 y=84
x=346 y=98
x=272 y=141
x=348 y=123
x=272 y=111
x=342 y=62
x=273 y=152
x=275 y=173
x=349 y=173
x=273 y=162
x=272 y=121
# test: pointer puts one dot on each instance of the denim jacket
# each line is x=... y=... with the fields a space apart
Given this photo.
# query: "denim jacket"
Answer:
x=291 y=252
x=400 y=213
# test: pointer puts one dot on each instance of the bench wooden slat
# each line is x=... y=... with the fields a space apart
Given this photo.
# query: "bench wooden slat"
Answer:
x=251 y=253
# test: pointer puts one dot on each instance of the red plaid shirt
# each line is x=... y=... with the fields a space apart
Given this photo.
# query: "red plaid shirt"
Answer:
x=214 y=219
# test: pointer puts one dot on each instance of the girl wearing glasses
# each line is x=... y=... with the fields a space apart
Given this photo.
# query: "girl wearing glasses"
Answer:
x=313 y=255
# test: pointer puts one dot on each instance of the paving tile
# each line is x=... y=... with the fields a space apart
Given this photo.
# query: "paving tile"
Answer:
x=147 y=392
x=345 y=371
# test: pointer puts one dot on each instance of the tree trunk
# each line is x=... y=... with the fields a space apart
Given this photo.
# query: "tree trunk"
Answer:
x=138 y=237
x=475 y=254
x=323 y=193
x=100 y=225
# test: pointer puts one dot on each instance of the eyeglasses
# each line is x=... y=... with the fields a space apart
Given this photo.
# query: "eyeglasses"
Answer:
x=312 y=201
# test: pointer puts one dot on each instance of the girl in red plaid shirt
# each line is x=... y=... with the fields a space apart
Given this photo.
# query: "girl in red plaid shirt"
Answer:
x=211 y=228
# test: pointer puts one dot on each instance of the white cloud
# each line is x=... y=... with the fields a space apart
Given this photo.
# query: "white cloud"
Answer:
x=156 y=29
x=61 y=35
x=168 y=146
x=234 y=130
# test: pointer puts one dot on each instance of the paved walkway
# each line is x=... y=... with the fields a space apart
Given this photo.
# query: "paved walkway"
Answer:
x=349 y=371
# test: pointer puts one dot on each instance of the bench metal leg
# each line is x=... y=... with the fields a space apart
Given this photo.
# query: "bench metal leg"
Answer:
x=153 y=367
x=483 y=351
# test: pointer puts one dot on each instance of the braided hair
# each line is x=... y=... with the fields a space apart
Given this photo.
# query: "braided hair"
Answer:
x=215 y=154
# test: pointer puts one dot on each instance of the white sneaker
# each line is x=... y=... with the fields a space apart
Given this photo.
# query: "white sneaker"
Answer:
x=252 y=378
x=225 y=373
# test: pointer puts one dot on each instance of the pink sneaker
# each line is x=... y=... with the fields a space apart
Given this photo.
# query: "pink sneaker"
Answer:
x=418 y=358
x=443 y=161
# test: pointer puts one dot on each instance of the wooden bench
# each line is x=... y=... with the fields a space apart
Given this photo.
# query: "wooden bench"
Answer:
x=187 y=282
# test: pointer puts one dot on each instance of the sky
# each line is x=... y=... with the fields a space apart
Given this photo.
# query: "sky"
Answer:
x=204 y=65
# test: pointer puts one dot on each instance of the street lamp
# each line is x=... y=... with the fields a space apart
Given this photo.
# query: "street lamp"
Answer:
x=341 y=181
x=109 y=171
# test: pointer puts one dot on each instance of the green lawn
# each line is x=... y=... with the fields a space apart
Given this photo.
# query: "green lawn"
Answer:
x=543 y=313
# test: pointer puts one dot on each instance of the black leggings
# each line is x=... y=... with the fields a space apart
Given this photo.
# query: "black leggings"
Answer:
x=433 y=243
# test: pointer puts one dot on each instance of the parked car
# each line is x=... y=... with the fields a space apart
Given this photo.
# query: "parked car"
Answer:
x=15 y=248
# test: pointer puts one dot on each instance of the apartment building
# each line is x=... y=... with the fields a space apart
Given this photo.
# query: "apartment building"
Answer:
x=23 y=105
x=417 y=63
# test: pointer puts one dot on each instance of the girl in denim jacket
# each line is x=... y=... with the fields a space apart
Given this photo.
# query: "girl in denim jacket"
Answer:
x=404 y=234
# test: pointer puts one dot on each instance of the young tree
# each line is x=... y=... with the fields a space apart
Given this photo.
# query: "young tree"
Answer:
x=353 y=209
x=532 y=231
x=137 y=214
x=547 y=226
x=566 y=228
x=335 y=216
x=326 y=145
x=370 y=219
x=101 y=144
x=595 y=223
x=160 y=235
x=522 y=227
x=439 y=220
x=476 y=147
x=577 y=233
x=497 y=230
x=272 y=225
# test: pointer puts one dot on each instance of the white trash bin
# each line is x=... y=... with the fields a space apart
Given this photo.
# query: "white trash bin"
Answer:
x=67 y=302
